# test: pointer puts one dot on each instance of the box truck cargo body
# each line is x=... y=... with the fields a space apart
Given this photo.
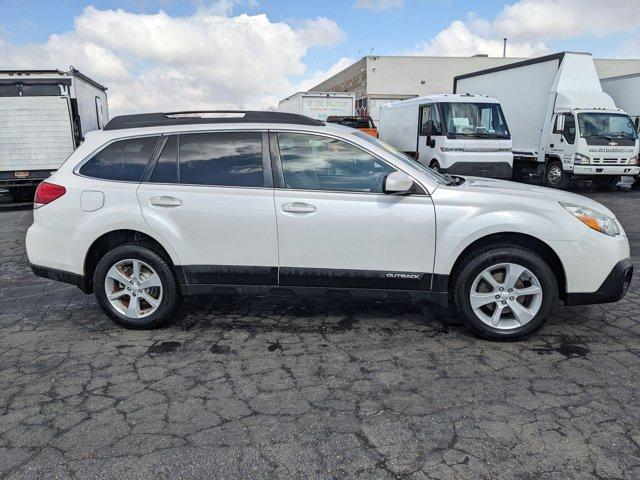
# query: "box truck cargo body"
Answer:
x=44 y=115
x=625 y=92
x=319 y=105
x=562 y=124
x=457 y=134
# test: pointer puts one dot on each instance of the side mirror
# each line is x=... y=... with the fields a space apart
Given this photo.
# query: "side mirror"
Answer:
x=397 y=182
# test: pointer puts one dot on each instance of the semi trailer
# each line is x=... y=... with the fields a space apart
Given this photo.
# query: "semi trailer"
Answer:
x=319 y=105
x=563 y=126
x=44 y=115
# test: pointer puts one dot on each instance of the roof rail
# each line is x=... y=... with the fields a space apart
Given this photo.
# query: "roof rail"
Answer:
x=207 y=116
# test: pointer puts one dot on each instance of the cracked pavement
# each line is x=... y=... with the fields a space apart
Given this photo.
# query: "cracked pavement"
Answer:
x=280 y=387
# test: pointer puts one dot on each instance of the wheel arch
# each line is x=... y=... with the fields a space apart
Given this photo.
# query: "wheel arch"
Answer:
x=518 y=239
x=116 y=238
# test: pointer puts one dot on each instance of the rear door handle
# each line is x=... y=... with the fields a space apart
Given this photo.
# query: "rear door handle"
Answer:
x=166 y=201
x=298 y=207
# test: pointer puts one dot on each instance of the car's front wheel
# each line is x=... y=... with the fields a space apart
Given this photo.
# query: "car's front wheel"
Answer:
x=136 y=287
x=505 y=292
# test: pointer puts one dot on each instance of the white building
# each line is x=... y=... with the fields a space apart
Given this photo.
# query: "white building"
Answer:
x=376 y=80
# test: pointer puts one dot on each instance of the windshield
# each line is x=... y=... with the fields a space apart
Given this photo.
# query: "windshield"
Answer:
x=606 y=125
x=405 y=159
x=483 y=120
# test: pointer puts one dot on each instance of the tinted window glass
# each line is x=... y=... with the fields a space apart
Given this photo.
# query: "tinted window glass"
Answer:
x=312 y=162
x=430 y=120
x=569 y=128
x=41 y=90
x=166 y=170
x=124 y=160
x=9 y=91
x=226 y=159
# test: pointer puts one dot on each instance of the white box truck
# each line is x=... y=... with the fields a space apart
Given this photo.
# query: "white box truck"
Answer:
x=456 y=134
x=44 y=115
x=563 y=125
x=625 y=92
x=319 y=105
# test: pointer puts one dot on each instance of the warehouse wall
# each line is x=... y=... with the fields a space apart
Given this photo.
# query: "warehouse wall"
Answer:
x=403 y=76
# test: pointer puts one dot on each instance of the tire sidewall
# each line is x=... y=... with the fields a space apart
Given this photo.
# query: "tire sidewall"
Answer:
x=564 y=179
x=518 y=255
x=169 y=285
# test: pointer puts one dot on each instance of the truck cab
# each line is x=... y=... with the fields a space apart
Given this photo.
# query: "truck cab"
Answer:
x=458 y=134
x=596 y=144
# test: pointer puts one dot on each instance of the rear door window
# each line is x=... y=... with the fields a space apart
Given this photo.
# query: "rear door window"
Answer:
x=231 y=159
x=124 y=160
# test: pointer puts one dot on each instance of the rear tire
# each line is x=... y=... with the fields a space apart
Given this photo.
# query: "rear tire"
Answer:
x=120 y=278
x=607 y=183
x=555 y=176
x=509 y=314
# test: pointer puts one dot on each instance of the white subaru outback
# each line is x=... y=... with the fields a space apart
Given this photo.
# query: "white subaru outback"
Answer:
x=162 y=205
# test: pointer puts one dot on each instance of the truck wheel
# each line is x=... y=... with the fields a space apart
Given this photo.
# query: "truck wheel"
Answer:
x=136 y=287
x=505 y=292
x=607 y=183
x=435 y=165
x=555 y=176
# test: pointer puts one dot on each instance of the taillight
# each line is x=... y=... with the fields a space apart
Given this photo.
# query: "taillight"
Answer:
x=47 y=193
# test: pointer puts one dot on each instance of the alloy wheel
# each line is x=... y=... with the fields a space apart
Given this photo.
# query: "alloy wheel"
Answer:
x=506 y=296
x=133 y=288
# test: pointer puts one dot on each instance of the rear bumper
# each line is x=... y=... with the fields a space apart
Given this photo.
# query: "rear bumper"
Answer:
x=605 y=170
x=62 y=276
x=613 y=288
x=481 y=169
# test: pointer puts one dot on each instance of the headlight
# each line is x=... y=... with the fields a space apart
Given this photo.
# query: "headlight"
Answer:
x=633 y=160
x=592 y=219
x=580 y=159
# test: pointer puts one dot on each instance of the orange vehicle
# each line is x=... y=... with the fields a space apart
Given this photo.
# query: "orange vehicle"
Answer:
x=361 y=123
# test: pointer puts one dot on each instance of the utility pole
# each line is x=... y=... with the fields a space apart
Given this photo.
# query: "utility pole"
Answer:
x=504 y=47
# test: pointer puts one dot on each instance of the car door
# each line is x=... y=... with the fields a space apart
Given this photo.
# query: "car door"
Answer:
x=335 y=226
x=562 y=139
x=210 y=196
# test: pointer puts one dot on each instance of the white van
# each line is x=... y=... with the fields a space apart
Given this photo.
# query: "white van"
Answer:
x=459 y=134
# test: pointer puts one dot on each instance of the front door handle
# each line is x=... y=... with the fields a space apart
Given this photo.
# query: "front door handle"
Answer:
x=298 y=207
x=166 y=201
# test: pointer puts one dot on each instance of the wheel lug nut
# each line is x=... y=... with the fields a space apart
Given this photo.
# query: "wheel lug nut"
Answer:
x=511 y=298
x=503 y=302
x=497 y=297
x=501 y=289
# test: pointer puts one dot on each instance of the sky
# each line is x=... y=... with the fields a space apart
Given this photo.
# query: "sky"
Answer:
x=167 y=55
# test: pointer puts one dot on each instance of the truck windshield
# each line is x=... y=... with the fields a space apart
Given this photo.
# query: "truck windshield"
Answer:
x=479 y=120
x=606 y=125
x=406 y=159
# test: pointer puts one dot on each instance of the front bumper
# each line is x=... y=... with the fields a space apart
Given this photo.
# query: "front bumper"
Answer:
x=606 y=170
x=613 y=288
x=481 y=169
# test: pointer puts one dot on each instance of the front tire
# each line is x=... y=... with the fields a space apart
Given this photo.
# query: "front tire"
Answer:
x=505 y=293
x=555 y=176
x=435 y=165
x=136 y=287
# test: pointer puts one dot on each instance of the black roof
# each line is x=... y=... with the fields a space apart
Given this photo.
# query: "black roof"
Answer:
x=192 y=117
x=72 y=72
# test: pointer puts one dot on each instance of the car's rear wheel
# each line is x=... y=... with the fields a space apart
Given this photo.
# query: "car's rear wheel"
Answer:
x=555 y=176
x=505 y=292
x=136 y=287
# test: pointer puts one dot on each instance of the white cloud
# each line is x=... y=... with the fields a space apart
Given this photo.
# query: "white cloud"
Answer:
x=321 y=75
x=160 y=62
x=377 y=4
x=529 y=24
x=459 y=40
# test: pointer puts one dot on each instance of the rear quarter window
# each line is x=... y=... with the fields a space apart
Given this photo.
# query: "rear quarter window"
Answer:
x=123 y=160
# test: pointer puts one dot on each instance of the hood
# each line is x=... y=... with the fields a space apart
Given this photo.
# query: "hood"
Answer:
x=535 y=193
